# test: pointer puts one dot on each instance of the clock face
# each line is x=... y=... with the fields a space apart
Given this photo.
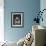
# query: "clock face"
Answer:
x=43 y=23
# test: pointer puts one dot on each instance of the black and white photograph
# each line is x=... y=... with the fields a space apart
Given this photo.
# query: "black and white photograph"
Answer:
x=17 y=19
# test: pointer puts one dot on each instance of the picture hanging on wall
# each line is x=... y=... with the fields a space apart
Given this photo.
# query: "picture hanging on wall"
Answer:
x=17 y=19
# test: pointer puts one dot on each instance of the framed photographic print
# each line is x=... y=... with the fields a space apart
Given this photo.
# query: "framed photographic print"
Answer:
x=17 y=19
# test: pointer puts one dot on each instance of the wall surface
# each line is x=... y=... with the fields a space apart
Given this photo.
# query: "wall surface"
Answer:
x=43 y=6
x=29 y=7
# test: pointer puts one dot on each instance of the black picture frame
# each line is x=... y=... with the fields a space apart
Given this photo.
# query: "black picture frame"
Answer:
x=17 y=19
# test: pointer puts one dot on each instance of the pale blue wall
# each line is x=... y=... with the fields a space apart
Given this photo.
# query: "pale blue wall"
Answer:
x=43 y=6
x=29 y=7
